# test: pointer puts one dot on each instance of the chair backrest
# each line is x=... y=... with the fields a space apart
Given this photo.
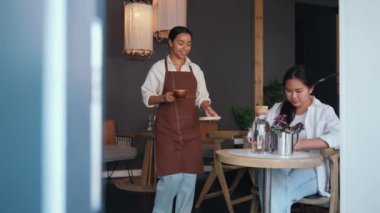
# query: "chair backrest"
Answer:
x=333 y=155
x=109 y=130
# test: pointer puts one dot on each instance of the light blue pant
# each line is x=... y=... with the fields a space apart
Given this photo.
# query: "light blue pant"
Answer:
x=181 y=186
x=288 y=186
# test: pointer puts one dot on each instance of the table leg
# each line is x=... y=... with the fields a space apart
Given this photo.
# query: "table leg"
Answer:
x=148 y=176
x=267 y=191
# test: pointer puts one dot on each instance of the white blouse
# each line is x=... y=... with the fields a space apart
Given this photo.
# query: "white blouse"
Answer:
x=154 y=82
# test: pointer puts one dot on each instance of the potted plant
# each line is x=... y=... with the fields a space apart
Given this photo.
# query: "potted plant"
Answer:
x=284 y=135
x=280 y=125
x=243 y=116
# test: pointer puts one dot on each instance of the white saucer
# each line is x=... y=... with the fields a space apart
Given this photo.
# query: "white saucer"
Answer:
x=216 y=118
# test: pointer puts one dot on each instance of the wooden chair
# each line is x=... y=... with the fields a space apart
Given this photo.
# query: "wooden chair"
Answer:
x=218 y=137
x=117 y=148
x=333 y=201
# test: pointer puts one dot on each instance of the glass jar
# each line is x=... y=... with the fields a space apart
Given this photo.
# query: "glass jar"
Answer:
x=261 y=134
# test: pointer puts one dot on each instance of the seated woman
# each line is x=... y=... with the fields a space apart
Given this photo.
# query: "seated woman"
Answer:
x=322 y=130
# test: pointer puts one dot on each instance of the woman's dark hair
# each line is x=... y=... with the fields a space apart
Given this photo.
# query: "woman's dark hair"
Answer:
x=177 y=30
x=298 y=72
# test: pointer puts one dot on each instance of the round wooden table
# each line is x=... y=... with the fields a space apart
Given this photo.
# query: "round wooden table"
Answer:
x=246 y=158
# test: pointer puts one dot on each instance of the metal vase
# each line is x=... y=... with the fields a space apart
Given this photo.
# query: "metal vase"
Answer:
x=283 y=143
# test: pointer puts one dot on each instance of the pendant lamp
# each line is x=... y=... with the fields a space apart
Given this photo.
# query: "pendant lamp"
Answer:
x=138 y=29
x=168 y=14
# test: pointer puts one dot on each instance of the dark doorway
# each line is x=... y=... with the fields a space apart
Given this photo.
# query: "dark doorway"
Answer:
x=316 y=48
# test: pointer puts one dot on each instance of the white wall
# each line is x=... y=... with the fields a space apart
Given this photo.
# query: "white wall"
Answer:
x=359 y=86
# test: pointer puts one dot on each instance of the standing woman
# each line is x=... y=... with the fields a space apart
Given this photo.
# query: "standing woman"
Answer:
x=321 y=130
x=178 y=137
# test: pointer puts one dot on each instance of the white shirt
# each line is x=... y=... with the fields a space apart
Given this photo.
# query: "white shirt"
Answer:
x=154 y=82
x=320 y=122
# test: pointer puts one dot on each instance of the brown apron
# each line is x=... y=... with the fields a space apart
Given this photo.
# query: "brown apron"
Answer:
x=178 y=136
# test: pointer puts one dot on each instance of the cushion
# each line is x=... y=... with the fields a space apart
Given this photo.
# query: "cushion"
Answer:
x=118 y=152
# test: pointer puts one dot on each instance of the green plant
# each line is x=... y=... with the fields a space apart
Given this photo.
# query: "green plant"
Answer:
x=243 y=116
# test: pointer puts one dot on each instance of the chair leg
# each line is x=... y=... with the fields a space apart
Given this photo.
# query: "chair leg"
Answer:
x=206 y=188
x=108 y=178
x=334 y=204
x=111 y=169
x=129 y=173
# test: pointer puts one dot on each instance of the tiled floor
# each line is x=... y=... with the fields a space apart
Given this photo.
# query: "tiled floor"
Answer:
x=121 y=201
